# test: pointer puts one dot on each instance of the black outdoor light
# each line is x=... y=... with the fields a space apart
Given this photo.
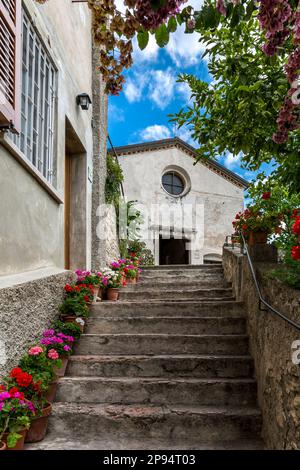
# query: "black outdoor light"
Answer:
x=84 y=101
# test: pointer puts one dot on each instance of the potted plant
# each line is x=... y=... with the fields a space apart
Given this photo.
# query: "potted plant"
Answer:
x=113 y=285
x=37 y=366
x=131 y=274
x=42 y=369
x=69 y=329
x=74 y=310
x=90 y=280
x=15 y=415
x=102 y=280
x=58 y=347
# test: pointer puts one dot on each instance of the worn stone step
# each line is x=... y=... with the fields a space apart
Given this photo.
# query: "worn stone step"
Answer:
x=162 y=344
x=179 y=294
x=157 y=391
x=182 y=267
x=146 y=284
x=127 y=443
x=160 y=366
x=209 y=424
x=167 y=308
x=167 y=325
x=187 y=275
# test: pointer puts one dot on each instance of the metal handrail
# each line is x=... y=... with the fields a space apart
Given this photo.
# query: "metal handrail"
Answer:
x=262 y=301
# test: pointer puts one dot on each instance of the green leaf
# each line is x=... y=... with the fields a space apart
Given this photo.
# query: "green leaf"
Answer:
x=12 y=439
x=172 y=24
x=143 y=39
x=162 y=35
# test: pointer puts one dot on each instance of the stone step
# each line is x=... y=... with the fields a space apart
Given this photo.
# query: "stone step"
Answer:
x=182 y=267
x=127 y=443
x=174 y=285
x=157 y=391
x=161 y=366
x=162 y=344
x=207 y=424
x=196 y=275
x=167 y=308
x=168 y=325
x=178 y=294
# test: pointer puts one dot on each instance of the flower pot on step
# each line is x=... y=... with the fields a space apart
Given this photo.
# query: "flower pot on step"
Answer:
x=51 y=392
x=96 y=293
x=73 y=319
x=257 y=238
x=60 y=372
x=2 y=445
x=112 y=294
x=131 y=280
x=20 y=444
x=38 y=427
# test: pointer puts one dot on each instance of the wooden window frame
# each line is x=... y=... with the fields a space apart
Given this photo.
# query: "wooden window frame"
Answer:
x=10 y=112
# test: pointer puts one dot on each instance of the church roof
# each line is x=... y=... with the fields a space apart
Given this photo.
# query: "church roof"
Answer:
x=188 y=149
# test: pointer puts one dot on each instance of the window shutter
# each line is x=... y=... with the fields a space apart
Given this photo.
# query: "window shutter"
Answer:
x=10 y=63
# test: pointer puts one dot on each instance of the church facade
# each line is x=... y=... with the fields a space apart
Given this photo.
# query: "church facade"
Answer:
x=187 y=208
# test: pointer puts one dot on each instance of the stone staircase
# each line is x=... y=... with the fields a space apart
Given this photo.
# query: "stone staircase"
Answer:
x=167 y=367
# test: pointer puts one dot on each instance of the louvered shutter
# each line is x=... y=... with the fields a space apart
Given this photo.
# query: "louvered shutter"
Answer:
x=10 y=63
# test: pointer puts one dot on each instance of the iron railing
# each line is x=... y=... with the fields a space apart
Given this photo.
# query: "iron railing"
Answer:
x=262 y=301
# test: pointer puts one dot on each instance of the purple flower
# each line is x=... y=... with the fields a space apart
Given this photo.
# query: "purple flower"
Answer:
x=45 y=341
x=48 y=333
x=4 y=396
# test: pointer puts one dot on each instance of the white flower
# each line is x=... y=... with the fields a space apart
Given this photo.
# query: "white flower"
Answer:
x=80 y=321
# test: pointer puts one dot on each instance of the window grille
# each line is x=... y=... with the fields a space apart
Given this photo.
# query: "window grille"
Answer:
x=37 y=103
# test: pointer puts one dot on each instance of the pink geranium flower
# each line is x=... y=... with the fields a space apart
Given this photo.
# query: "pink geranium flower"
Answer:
x=35 y=351
x=52 y=354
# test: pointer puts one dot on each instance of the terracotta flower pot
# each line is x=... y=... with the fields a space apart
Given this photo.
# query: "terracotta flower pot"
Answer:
x=72 y=319
x=20 y=444
x=112 y=294
x=2 y=445
x=51 y=392
x=131 y=280
x=60 y=372
x=258 y=238
x=38 y=427
x=96 y=293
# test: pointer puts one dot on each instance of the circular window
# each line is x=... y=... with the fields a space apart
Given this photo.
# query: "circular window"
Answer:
x=173 y=183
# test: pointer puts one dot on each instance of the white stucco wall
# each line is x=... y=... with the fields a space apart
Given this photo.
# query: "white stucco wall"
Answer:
x=215 y=199
x=32 y=221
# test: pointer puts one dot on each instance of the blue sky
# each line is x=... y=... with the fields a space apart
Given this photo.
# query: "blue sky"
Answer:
x=151 y=93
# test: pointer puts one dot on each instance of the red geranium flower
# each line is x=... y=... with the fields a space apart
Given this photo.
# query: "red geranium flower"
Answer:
x=24 y=379
x=16 y=372
x=295 y=213
x=86 y=298
x=68 y=288
x=266 y=195
x=296 y=253
x=296 y=226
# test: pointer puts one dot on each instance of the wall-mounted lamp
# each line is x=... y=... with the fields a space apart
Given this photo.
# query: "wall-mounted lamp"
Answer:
x=84 y=101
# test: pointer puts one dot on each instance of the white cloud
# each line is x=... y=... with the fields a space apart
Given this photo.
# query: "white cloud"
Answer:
x=155 y=132
x=184 y=49
x=161 y=87
x=115 y=113
x=232 y=160
x=134 y=89
x=149 y=54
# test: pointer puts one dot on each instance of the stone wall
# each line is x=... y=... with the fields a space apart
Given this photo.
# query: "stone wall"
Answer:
x=112 y=246
x=271 y=347
x=25 y=311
